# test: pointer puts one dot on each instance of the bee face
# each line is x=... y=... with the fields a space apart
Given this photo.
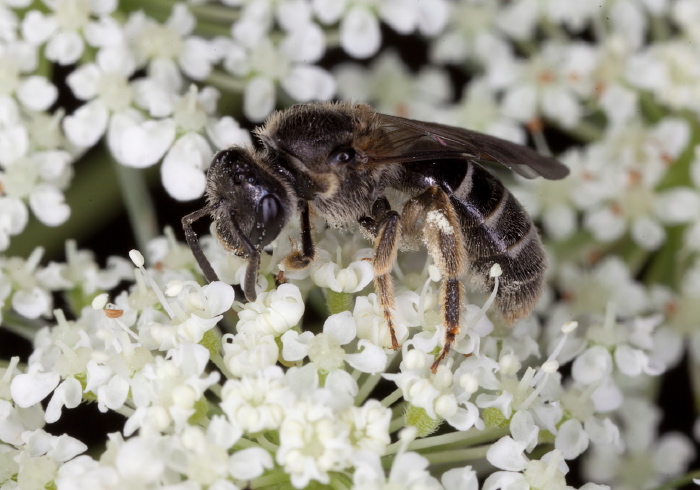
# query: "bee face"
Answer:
x=251 y=205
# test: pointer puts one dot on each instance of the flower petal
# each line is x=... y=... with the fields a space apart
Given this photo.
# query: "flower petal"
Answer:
x=507 y=454
x=48 y=205
x=360 y=36
x=139 y=144
x=29 y=389
x=341 y=326
x=371 y=359
x=86 y=125
x=249 y=463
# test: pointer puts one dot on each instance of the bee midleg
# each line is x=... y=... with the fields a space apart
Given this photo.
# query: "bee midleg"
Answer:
x=193 y=242
x=301 y=258
x=386 y=246
x=443 y=238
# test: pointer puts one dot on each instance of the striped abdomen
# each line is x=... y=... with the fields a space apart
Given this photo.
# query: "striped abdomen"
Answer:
x=498 y=230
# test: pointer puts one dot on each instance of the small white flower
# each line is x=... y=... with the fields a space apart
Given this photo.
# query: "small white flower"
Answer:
x=439 y=394
x=325 y=350
x=63 y=29
x=507 y=454
x=184 y=163
x=30 y=388
x=369 y=426
x=313 y=442
x=250 y=463
x=30 y=298
x=408 y=470
x=13 y=219
x=170 y=47
x=651 y=458
x=105 y=86
x=18 y=60
x=273 y=312
x=136 y=142
x=249 y=353
x=257 y=403
x=165 y=392
x=390 y=87
x=37 y=178
x=265 y=64
x=541 y=90
x=371 y=325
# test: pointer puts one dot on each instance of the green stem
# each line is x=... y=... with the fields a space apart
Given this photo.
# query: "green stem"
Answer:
x=269 y=480
x=585 y=131
x=219 y=362
x=215 y=13
x=650 y=108
x=555 y=31
x=397 y=424
x=458 y=455
x=20 y=326
x=336 y=484
x=125 y=411
x=471 y=436
x=225 y=81
x=139 y=205
x=680 y=482
x=392 y=397
x=216 y=389
x=265 y=444
x=371 y=382
x=245 y=444
x=338 y=302
x=367 y=388
x=659 y=28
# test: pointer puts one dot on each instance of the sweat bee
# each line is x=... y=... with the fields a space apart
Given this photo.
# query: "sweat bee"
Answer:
x=338 y=160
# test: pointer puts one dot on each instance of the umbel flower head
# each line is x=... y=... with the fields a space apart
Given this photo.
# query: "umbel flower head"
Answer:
x=306 y=387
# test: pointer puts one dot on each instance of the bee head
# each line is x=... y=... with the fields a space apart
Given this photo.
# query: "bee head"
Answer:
x=251 y=203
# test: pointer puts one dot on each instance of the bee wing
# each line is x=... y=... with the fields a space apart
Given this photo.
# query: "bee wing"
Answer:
x=406 y=140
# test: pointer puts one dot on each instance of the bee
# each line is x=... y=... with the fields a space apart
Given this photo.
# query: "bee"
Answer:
x=339 y=160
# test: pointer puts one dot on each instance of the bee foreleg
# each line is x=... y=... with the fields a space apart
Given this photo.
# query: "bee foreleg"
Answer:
x=300 y=259
x=193 y=242
x=443 y=237
x=385 y=249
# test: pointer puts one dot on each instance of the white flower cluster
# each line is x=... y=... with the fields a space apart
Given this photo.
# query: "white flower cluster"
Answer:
x=146 y=356
x=301 y=388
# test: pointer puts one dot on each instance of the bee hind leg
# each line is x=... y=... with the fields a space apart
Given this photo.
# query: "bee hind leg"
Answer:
x=443 y=237
x=385 y=226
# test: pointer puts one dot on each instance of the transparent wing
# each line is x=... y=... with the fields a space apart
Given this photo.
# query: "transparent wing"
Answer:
x=406 y=140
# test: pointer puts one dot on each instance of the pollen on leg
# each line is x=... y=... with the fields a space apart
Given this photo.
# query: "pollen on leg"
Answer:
x=440 y=221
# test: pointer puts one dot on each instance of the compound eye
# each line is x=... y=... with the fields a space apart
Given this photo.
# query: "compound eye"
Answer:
x=342 y=156
x=270 y=219
x=268 y=209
